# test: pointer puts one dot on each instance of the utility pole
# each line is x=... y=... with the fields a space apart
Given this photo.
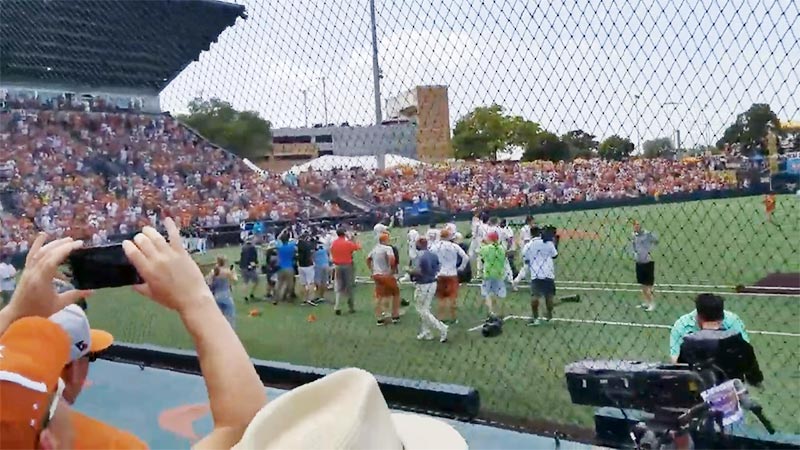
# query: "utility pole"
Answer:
x=380 y=157
x=376 y=70
x=305 y=105
x=676 y=134
x=325 y=101
x=638 y=136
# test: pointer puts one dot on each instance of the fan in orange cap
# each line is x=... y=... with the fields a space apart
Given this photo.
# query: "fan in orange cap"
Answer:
x=30 y=387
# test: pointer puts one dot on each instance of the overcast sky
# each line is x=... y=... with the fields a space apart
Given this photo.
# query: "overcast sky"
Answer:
x=567 y=65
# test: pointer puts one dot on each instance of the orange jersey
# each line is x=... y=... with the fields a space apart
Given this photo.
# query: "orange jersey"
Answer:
x=769 y=202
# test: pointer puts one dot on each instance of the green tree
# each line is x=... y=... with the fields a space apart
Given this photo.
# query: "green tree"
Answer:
x=658 y=147
x=546 y=146
x=580 y=143
x=244 y=133
x=750 y=126
x=488 y=130
x=615 y=147
x=481 y=134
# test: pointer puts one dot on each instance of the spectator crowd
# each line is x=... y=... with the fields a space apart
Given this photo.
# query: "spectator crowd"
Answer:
x=91 y=175
x=462 y=186
x=109 y=171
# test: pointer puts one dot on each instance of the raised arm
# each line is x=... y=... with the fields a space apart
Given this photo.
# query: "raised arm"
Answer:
x=173 y=279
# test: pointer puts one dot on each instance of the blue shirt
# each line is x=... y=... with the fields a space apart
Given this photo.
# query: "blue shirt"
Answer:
x=687 y=324
x=286 y=252
x=321 y=258
x=426 y=267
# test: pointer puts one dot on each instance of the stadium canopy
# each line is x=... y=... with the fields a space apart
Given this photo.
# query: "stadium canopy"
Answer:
x=329 y=162
x=139 y=44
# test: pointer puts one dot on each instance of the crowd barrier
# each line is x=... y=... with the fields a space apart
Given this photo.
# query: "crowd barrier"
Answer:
x=447 y=400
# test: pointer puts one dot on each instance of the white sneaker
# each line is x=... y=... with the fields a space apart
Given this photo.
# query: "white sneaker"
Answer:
x=651 y=307
x=443 y=337
x=424 y=336
x=514 y=287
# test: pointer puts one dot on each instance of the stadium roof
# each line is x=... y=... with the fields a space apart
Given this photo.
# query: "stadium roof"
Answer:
x=141 y=44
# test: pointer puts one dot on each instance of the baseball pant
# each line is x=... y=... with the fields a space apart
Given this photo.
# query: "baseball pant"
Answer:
x=423 y=296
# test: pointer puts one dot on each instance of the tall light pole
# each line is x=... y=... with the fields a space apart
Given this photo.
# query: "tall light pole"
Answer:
x=305 y=105
x=380 y=157
x=324 y=100
x=636 y=108
x=676 y=133
x=376 y=70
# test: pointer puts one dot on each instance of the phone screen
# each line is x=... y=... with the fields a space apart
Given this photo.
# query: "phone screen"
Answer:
x=102 y=267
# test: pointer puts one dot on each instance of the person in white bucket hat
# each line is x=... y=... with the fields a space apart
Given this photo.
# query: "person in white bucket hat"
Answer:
x=344 y=410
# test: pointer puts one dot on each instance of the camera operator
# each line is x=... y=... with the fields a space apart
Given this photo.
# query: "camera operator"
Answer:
x=538 y=255
x=709 y=314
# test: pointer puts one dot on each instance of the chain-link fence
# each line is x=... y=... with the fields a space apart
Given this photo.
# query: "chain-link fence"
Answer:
x=674 y=116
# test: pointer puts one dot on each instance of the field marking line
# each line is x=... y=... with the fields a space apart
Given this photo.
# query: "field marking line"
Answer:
x=621 y=283
x=634 y=325
x=366 y=280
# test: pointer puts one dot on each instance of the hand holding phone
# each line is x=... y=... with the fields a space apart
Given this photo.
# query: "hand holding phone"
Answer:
x=102 y=267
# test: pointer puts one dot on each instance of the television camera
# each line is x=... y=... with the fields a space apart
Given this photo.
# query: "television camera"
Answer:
x=689 y=401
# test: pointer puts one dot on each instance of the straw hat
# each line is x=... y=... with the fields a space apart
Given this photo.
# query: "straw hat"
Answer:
x=344 y=410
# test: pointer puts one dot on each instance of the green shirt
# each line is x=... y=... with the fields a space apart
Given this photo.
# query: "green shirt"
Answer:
x=494 y=261
x=687 y=324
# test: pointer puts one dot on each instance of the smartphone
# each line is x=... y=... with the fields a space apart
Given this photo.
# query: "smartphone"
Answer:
x=102 y=267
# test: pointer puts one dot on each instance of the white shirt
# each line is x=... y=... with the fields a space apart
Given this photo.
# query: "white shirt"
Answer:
x=381 y=255
x=525 y=234
x=7 y=281
x=508 y=238
x=539 y=256
x=448 y=253
x=413 y=237
x=432 y=235
x=476 y=223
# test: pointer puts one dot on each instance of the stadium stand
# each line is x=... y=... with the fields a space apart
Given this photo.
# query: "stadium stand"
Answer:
x=91 y=175
x=461 y=186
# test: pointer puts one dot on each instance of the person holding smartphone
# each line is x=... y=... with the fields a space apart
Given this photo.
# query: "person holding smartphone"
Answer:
x=171 y=279
x=219 y=280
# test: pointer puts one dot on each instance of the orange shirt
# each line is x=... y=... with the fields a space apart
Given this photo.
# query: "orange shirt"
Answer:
x=93 y=434
x=342 y=250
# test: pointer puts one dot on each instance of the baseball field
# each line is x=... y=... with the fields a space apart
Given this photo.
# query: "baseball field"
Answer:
x=708 y=246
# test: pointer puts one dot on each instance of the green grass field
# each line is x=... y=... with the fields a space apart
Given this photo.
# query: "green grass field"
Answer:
x=720 y=242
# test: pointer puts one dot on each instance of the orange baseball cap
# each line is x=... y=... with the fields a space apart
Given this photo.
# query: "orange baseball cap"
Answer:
x=33 y=352
x=493 y=236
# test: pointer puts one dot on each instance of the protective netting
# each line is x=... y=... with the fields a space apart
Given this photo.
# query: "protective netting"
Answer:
x=674 y=115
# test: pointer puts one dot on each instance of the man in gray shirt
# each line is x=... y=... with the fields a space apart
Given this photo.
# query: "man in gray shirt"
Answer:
x=642 y=246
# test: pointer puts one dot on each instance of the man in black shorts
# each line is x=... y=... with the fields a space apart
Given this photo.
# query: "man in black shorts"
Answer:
x=642 y=245
x=538 y=256
x=248 y=265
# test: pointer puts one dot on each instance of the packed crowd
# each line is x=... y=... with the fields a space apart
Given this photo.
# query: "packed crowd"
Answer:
x=91 y=175
x=469 y=185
